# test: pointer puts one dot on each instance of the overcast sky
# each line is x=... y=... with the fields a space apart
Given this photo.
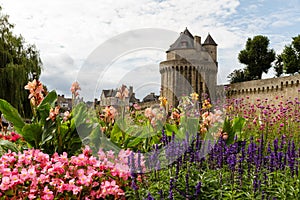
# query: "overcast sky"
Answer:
x=68 y=33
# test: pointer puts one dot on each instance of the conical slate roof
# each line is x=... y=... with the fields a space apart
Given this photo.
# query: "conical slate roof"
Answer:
x=185 y=40
x=209 y=41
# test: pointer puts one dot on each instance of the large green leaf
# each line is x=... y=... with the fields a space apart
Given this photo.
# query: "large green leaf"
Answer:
x=32 y=133
x=12 y=115
x=49 y=99
x=5 y=144
x=45 y=106
x=227 y=128
x=135 y=142
x=116 y=134
x=170 y=128
x=238 y=124
x=79 y=114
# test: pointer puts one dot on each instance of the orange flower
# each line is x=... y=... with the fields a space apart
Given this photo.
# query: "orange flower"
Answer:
x=175 y=115
x=35 y=88
x=163 y=101
x=53 y=113
x=74 y=88
x=110 y=113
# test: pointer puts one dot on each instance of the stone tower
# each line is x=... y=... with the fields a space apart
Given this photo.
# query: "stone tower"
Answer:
x=190 y=67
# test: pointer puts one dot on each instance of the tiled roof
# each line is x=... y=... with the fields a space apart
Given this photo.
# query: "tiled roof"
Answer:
x=209 y=41
x=185 y=40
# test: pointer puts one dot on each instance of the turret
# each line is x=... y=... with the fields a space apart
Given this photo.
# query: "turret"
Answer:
x=211 y=46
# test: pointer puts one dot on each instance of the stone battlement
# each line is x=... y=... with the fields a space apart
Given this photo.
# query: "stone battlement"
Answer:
x=272 y=88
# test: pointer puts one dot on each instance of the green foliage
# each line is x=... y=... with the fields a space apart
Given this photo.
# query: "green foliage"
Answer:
x=233 y=128
x=257 y=57
x=18 y=62
x=288 y=61
x=43 y=133
x=278 y=66
x=238 y=75
x=6 y=145
x=12 y=115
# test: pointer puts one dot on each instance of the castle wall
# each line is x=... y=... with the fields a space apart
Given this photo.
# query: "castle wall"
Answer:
x=273 y=89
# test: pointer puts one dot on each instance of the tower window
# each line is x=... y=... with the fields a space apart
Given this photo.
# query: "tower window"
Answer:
x=183 y=44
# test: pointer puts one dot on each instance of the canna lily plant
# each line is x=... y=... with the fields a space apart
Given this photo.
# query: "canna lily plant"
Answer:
x=49 y=130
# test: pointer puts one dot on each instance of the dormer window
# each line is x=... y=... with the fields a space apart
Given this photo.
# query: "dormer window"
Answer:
x=183 y=44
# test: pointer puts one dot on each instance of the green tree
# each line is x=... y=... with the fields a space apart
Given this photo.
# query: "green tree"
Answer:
x=238 y=75
x=18 y=64
x=278 y=66
x=291 y=57
x=257 y=56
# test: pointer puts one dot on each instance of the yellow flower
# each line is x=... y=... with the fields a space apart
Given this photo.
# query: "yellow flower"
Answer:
x=194 y=96
x=206 y=104
x=163 y=101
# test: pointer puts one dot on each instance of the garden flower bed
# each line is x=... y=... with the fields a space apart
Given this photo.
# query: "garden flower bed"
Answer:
x=240 y=150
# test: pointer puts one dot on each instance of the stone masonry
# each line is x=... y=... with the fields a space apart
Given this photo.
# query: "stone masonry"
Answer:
x=191 y=66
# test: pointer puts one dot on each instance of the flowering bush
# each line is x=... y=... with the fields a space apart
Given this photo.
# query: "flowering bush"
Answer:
x=12 y=137
x=49 y=131
x=34 y=174
x=265 y=116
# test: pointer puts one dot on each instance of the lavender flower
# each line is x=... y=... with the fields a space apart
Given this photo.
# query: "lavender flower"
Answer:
x=231 y=160
x=149 y=197
x=160 y=192
x=198 y=190
x=171 y=188
x=133 y=185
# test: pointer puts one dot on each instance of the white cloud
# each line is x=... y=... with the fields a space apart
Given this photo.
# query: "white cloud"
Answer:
x=67 y=32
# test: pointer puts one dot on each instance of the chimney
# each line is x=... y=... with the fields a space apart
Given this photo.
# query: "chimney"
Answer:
x=197 y=42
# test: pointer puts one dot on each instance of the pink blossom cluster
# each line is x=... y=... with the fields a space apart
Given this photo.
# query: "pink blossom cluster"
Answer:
x=12 y=137
x=74 y=89
x=212 y=119
x=266 y=114
x=34 y=174
x=156 y=114
x=36 y=90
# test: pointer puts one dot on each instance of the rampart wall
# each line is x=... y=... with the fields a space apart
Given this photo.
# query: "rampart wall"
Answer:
x=273 y=89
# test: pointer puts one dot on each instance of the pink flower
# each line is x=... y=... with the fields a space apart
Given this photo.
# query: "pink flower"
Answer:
x=66 y=116
x=35 y=88
x=53 y=113
x=122 y=93
x=148 y=113
x=31 y=172
x=137 y=106
x=74 y=88
x=110 y=113
x=5 y=183
x=47 y=194
x=31 y=196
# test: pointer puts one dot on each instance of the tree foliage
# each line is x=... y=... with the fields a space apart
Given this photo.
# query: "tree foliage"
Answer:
x=18 y=62
x=291 y=57
x=238 y=75
x=257 y=56
x=278 y=66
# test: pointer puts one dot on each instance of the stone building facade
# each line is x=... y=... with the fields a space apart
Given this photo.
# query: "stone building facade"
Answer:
x=190 y=66
x=108 y=98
